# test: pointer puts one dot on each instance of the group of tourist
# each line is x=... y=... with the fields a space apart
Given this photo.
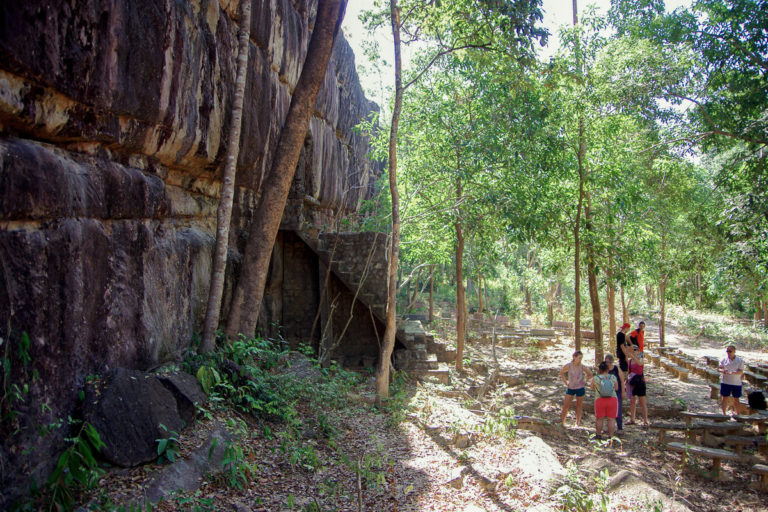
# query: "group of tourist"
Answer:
x=611 y=384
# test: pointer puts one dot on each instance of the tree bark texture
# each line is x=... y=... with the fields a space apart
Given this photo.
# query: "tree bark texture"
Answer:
x=577 y=255
x=662 y=291
x=594 y=295
x=388 y=343
x=266 y=220
x=580 y=153
x=610 y=295
x=224 y=212
x=624 y=308
x=431 y=292
x=698 y=286
x=765 y=312
x=480 y=305
x=662 y=310
x=461 y=310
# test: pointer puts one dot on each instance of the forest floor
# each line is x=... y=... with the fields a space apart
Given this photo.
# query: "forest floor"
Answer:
x=437 y=448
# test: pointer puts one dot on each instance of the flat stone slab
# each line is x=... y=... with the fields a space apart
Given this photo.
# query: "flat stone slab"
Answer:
x=187 y=474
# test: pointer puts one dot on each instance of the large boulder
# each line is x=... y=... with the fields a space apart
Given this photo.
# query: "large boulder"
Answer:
x=187 y=392
x=131 y=410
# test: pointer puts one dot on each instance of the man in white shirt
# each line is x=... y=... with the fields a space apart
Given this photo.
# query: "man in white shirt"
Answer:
x=731 y=368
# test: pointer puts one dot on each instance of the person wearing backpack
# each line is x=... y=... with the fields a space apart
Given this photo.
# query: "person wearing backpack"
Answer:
x=606 y=404
x=621 y=379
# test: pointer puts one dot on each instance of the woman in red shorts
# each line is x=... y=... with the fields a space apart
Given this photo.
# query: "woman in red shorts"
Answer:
x=606 y=404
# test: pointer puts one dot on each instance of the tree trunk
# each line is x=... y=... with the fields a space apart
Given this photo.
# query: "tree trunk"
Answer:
x=698 y=287
x=266 y=220
x=551 y=303
x=224 y=212
x=580 y=153
x=662 y=314
x=431 y=292
x=610 y=295
x=597 y=321
x=388 y=344
x=461 y=310
x=407 y=294
x=528 y=304
x=625 y=307
x=594 y=295
x=480 y=304
x=662 y=291
x=412 y=300
x=765 y=312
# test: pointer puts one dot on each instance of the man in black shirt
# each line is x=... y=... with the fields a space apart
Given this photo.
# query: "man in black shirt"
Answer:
x=621 y=340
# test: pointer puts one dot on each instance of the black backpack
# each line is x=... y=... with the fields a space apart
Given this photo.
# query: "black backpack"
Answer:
x=756 y=400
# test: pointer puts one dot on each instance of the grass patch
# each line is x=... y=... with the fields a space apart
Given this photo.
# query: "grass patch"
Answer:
x=717 y=327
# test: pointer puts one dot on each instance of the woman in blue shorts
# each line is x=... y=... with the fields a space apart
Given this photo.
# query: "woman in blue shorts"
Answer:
x=575 y=386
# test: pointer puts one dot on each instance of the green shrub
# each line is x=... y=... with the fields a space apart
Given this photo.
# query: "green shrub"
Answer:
x=167 y=447
x=76 y=468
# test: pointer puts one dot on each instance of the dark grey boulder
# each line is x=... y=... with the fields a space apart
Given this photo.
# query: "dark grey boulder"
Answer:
x=127 y=409
x=187 y=392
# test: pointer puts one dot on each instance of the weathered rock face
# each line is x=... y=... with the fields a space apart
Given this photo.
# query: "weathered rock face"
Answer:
x=114 y=118
x=131 y=410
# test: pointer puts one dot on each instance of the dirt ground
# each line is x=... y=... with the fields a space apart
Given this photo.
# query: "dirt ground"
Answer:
x=638 y=452
x=444 y=450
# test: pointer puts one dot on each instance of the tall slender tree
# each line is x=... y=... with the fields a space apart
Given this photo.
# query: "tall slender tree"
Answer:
x=249 y=292
x=580 y=157
x=224 y=212
x=388 y=341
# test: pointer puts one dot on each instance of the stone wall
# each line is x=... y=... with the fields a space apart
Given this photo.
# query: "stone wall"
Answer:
x=114 y=118
x=361 y=255
x=347 y=319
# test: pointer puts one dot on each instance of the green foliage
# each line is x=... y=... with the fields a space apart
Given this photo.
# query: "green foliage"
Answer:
x=193 y=502
x=237 y=470
x=76 y=468
x=575 y=495
x=14 y=365
x=397 y=403
x=718 y=327
x=502 y=425
x=167 y=447
x=260 y=384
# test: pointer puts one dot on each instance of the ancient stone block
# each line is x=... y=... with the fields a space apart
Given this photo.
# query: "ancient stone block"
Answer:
x=127 y=409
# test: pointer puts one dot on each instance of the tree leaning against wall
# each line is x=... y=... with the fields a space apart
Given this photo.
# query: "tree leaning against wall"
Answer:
x=249 y=291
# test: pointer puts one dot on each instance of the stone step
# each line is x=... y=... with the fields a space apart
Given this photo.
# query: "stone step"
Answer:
x=442 y=374
x=408 y=358
x=414 y=365
x=448 y=356
x=434 y=346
